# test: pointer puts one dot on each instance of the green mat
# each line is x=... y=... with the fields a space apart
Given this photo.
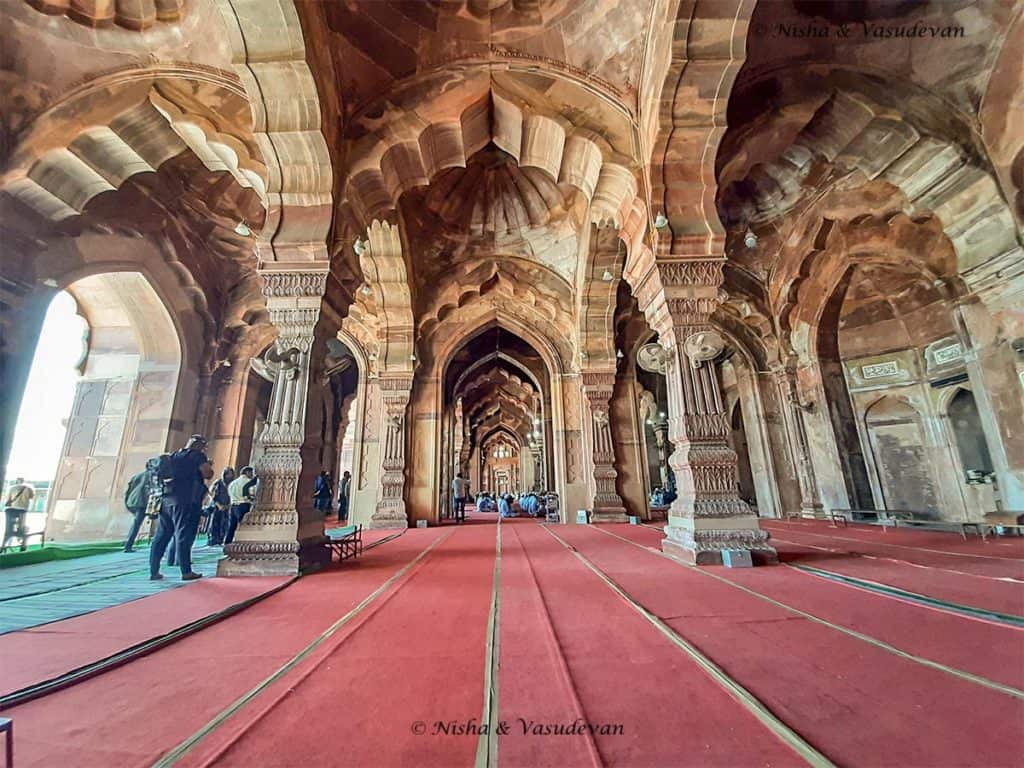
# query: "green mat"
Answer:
x=38 y=554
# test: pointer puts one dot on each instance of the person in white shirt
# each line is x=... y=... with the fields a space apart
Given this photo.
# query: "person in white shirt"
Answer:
x=18 y=500
x=242 y=493
x=460 y=489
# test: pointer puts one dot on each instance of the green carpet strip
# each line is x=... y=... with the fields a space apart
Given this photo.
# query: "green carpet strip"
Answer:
x=487 y=746
x=764 y=715
x=1008 y=619
x=186 y=746
x=978 y=679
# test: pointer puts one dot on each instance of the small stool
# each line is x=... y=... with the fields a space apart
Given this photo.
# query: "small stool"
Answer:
x=7 y=727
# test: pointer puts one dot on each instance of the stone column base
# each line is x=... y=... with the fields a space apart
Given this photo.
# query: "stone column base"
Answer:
x=273 y=558
x=388 y=519
x=609 y=516
x=705 y=547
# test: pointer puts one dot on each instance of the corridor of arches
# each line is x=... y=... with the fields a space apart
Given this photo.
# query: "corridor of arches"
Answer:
x=701 y=287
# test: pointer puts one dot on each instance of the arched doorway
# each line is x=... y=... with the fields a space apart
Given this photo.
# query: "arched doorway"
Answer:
x=42 y=420
x=741 y=445
x=121 y=406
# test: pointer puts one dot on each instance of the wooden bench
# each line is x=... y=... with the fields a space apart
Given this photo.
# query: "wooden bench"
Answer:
x=961 y=526
x=1007 y=519
x=7 y=728
x=834 y=516
x=345 y=542
x=40 y=534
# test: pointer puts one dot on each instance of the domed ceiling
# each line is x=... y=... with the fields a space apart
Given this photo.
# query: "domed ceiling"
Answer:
x=495 y=206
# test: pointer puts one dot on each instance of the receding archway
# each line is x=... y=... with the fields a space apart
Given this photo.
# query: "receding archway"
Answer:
x=496 y=390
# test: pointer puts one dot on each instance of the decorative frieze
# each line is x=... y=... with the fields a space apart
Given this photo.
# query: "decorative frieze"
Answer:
x=691 y=272
x=293 y=284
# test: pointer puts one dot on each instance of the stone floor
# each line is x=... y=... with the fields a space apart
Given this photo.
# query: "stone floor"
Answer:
x=31 y=595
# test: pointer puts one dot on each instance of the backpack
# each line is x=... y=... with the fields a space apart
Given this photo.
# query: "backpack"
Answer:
x=161 y=475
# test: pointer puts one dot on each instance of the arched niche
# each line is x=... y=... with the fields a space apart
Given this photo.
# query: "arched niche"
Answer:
x=899 y=449
x=124 y=404
x=969 y=434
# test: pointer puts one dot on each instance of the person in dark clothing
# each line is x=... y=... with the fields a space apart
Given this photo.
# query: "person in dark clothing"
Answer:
x=220 y=508
x=323 y=492
x=136 y=498
x=180 y=508
x=343 y=491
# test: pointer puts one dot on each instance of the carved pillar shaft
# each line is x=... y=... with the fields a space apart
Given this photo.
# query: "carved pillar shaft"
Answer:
x=708 y=515
x=810 y=501
x=280 y=534
x=607 y=504
x=667 y=478
x=390 y=511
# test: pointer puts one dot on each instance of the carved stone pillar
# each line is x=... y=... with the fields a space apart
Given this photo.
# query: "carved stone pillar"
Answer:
x=390 y=511
x=283 y=534
x=607 y=506
x=668 y=479
x=810 y=501
x=708 y=514
x=537 y=456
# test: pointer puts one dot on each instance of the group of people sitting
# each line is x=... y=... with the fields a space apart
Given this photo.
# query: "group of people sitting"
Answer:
x=507 y=505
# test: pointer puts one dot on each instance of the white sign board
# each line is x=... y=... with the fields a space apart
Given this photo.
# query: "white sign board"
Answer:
x=880 y=370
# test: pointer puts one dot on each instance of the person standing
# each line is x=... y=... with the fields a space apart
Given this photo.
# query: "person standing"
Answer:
x=460 y=487
x=136 y=500
x=323 y=492
x=179 y=508
x=220 y=503
x=18 y=500
x=242 y=493
x=343 y=491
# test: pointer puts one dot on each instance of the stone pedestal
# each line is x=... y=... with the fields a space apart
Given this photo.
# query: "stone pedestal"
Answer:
x=607 y=505
x=283 y=534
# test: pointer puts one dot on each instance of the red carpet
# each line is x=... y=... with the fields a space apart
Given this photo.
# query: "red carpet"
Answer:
x=1002 y=558
x=43 y=653
x=622 y=672
x=821 y=682
x=133 y=714
x=419 y=656
x=986 y=649
x=987 y=592
x=571 y=651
